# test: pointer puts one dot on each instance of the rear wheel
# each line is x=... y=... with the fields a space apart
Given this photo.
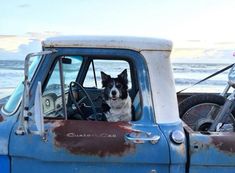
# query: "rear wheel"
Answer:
x=199 y=111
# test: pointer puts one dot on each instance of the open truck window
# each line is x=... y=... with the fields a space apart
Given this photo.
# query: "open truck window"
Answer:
x=73 y=89
x=111 y=67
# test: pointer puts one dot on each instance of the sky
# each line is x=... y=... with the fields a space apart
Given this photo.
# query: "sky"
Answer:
x=196 y=27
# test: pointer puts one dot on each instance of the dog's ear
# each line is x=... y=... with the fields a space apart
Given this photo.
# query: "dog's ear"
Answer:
x=104 y=78
x=123 y=76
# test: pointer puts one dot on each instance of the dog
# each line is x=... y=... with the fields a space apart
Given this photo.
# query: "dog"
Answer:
x=117 y=105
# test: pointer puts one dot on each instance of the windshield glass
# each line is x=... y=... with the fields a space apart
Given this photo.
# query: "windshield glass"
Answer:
x=15 y=98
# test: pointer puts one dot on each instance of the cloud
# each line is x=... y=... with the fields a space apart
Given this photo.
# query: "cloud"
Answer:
x=194 y=41
x=23 y=6
x=17 y=47
x=202 y=44
x=7 y=36
x=225 y=45
x=42 y=35
x=189 y=44
x=12 y=43
x=196 y=49
x=22 y=51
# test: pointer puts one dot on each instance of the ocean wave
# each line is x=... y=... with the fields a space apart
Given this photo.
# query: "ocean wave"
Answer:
x=193 y=81
x=198 y=68
x=12 y=64
x=185 y=73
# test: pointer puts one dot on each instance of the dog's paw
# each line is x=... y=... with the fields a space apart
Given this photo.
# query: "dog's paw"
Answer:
x=105 y=107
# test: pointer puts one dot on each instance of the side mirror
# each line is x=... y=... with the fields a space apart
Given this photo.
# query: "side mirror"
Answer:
x=38 y=113
x=66 y=61
x=25 y=112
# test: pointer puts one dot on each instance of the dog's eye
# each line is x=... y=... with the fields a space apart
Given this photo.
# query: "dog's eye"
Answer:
x=110 y=85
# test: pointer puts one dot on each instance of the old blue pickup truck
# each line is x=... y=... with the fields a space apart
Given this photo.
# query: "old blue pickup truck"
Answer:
x=41 y=131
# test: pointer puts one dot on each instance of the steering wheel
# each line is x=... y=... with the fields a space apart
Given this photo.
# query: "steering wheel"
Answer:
x=78 y=104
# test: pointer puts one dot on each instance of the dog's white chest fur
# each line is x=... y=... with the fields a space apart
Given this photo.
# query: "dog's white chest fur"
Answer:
x=120 y=110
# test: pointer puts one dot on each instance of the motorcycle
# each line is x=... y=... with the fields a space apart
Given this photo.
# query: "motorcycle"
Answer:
x=211 y=112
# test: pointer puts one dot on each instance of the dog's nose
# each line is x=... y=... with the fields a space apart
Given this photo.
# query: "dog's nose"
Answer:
x=114 y=92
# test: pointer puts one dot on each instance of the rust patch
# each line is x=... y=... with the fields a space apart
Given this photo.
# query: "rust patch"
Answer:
x=93 y=137
x=224 y=142
x=181 y=150
x=1 y=118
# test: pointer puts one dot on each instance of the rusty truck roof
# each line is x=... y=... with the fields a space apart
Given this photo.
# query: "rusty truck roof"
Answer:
x=121 y=42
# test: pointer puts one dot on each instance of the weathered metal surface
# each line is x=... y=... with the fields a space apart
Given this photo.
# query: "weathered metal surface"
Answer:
x=224 y=142
x=6 y=125
x=85 y=146
x=50 y=158
x=133 y=43
x=93 y=138
x=177 y=151
x=163 y=92
x=211 y=151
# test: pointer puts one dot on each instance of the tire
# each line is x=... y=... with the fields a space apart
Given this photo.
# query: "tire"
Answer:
x=194 y=110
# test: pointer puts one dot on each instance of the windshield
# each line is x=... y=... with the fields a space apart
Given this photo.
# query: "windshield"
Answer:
x=15 y=98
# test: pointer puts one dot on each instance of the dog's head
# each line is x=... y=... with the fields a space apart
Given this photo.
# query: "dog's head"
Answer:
x=115 y=88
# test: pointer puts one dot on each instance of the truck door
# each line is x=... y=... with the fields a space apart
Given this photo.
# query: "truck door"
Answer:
x=211 y=152
x=73 y=145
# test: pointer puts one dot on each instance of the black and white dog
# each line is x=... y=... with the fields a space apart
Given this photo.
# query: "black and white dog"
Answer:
x=117 y=104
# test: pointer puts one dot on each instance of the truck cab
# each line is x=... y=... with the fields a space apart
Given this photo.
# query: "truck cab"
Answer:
x=51 y=124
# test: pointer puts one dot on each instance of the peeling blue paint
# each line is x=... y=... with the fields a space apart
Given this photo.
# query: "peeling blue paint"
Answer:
x=5 y=129
x=4 y=164
x=178 y=152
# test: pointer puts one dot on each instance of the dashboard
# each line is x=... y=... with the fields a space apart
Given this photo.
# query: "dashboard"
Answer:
x=52 y=104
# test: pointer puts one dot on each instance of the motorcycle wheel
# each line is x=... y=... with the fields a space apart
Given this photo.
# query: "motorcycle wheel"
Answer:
x=194 y=110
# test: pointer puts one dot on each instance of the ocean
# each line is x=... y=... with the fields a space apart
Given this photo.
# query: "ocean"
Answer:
x=185 y=74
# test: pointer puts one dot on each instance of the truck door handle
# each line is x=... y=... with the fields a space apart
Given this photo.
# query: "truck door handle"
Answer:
x=140 y=138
